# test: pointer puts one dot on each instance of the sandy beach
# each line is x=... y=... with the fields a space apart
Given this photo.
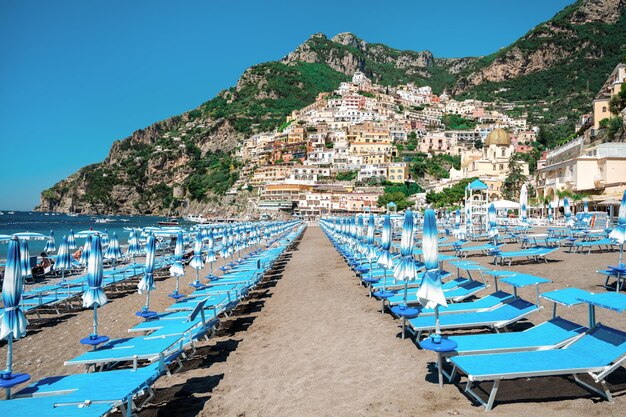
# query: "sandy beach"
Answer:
x=310 y=342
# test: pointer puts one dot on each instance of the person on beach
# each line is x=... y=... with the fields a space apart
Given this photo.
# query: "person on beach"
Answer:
x=44 y=266
x=77 y=254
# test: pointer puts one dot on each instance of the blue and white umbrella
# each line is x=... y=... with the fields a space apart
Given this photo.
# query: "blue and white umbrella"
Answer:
x=550 y=217
x=569 y=222
x=24 y=259
x=104 y=238
x=406 y=270
x=210 y=257
x=430 y=294
x=71 y=240
x=385 y=259
x=134 y=248
x=585 y=207
x=84 y=256
x=493 y=226
x=196 y=262
x=619 y=233
x=113 y=252
x=177 y=270
x=523 y=202
x=13 y=321
x=147 y=282
x=50 y=244
x=64 y=258
x=371 y=253
x=94 y=295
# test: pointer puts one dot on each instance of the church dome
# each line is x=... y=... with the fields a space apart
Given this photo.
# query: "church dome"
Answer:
x=498 y=136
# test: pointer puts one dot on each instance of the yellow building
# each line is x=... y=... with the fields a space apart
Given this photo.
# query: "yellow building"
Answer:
x=397 y=172
x=491 y=164
x=371 y=153
x=611 y=87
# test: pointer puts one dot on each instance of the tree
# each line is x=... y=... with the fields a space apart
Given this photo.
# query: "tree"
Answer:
x=478 y=144
x=397 y=197
x=514 y=180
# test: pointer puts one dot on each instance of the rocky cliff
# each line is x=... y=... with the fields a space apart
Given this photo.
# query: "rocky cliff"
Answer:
x=561 y=62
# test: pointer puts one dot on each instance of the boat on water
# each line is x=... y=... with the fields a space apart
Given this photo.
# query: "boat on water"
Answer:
x=11 y=212
x=105 y=220
x=170 y=222
x=1 y=213
x=72 y=214
x=195 y=218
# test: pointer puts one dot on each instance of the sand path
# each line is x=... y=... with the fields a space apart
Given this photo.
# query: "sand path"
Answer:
x=321 y=347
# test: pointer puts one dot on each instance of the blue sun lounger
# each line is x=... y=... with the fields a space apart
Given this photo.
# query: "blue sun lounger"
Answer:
x=391 y=283
x=495 y=318
x=536 y=254
x=116 y=389
x=601 y=244
x=51 y=407
x=166 y=349
x=486 y=249
x=485 y=303
x=598 y=353
x=454 y=291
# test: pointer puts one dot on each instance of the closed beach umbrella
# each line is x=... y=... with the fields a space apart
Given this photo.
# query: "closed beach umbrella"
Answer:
x=146 y=284
x=371 y=248
x=619 y=233
x=568 y=213
x=210 y=257
x=196 y=262
x=113 y=252
x=64 y=259
x=13 y=321
x=523 y=202
x=430 y=294
x=24 y=259
x=50 y=244
x=585 y=206
x=94 y=295
x=84 y=256
x=71 y=240
x=550 y=218
x=134 y=249
x=177 y=270
x=406 y=270
x=493 y=227
x=385 y=260
x=104 y=240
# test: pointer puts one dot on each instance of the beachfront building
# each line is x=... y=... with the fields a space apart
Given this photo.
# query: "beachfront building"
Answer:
x=598 y=171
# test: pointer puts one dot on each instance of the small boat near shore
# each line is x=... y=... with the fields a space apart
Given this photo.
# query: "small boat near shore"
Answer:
x=195 y=218
x=169 y=222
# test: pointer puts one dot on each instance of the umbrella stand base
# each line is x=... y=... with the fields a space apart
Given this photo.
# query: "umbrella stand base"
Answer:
x=94 y=340
x=176 y=295
x=197 y=285
x=146 y=314
x=9 y=380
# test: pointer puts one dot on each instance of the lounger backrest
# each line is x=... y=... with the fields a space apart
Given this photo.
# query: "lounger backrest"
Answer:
x=602 y=343
x=197 y=309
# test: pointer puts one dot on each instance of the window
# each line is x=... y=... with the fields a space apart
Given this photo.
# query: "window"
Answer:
x=494 y=167
x=501 y=167
x=603 y=109
x=503 y=151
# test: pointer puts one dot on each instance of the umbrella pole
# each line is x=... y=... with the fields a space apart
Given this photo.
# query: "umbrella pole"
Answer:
x=147 y=306
x=9 y=362
x=406 y=290
x=382 y=299
x=95 y=320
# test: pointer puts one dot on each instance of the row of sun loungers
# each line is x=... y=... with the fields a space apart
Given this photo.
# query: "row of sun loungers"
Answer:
x=166 y=341
x=557 y=347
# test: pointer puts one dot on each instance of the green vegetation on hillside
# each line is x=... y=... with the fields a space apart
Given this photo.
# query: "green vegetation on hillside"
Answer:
x=262 y=106
x=456 y=122
x=449 y=196
x=436 y=166
x=215 y=173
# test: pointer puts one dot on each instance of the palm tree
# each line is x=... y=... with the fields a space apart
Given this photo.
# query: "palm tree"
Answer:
x=577 y=198
x=561 y=194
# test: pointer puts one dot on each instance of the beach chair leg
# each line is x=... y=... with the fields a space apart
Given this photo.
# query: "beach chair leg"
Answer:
x=492 y=396
x=604 y=392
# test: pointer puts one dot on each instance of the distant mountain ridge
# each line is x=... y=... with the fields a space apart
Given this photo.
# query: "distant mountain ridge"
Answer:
x=562 y=62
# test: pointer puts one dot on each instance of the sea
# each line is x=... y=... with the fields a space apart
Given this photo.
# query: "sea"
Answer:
x=61 y=224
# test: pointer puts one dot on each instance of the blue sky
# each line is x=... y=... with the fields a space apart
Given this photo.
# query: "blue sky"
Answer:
x=77 y=75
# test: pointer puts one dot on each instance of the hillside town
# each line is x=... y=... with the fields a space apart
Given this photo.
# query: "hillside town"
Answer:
x=338 y=154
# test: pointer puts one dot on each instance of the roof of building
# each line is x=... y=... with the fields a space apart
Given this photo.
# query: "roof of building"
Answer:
x=498 y=136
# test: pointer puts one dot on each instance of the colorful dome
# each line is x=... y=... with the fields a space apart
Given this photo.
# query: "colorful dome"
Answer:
x=498 y=136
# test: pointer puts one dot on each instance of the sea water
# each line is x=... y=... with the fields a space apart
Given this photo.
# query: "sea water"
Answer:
x=61 y=224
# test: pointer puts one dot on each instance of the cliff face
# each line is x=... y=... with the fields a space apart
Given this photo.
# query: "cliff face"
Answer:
x=560 y=62
x=580 y=35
